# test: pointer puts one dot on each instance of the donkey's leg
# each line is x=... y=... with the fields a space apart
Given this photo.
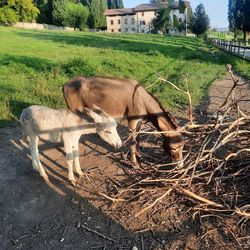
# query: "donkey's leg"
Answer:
x=35 y=157
x=76 y=160
x=134 y=127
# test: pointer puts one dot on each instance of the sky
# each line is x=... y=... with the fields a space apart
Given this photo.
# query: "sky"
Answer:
x=216 y=10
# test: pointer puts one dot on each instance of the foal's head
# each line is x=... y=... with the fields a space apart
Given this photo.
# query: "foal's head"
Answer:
x=106 y=128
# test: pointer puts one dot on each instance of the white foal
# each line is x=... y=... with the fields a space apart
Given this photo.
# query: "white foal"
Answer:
x=62 y=125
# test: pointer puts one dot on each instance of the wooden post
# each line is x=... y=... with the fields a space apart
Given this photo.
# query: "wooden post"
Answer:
x=244 y=54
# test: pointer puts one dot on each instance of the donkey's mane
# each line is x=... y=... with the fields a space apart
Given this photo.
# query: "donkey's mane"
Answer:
x=167 y=114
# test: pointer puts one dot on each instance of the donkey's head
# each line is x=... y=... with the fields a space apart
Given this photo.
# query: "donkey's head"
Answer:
x=173 y=144
x=106 y=126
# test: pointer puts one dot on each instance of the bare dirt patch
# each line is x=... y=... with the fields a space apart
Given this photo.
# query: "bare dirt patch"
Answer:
x=38 y=215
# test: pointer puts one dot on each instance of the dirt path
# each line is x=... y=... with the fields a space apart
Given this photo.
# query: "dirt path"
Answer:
x=36 y=215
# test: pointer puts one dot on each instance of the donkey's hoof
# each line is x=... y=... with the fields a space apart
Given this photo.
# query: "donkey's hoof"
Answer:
x=135 y=165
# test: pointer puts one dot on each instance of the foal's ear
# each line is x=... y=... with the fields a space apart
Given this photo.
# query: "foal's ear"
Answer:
x=94 y=115
x=97 y=110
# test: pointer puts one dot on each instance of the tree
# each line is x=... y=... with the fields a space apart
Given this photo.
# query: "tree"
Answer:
x=8 y=15
x=59 y=11
x=96 y=17
x=119 y=4
x=76 y=16
x=241 y=18
x=115 y=4
x=200 y=21
x=189 y=17
x=164 y=25
x=231 y=15
x=16 y=10
x=45 y=7
x=163 y=21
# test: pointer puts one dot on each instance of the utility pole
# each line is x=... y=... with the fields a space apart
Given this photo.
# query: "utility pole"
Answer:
x=186 y=21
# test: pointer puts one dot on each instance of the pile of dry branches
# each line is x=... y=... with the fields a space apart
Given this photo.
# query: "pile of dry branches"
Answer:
x=216 y=171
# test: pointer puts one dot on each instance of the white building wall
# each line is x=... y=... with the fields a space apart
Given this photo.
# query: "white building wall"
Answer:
x=141 y=22
x=114 y=23
x=144 y=21
x=179 y=15
x=129 y=24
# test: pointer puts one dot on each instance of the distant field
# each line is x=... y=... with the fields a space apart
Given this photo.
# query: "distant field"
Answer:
x=35 y=64
x=221 y=35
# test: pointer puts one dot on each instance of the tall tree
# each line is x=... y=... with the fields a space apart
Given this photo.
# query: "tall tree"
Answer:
x=115 y=4
x=239 y=16
x=96 y=17
x=59 y=11
x=45 y=7
x=231 y=15
x=76 y=15
x=16 y=10
x=200 y=21
x=242 y=16
x=163 y=21
x=119 y=4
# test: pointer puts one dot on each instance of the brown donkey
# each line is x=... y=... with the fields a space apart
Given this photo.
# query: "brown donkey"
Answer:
x=125 y=98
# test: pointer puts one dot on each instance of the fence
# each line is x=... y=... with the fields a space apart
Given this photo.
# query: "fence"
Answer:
x=237 y=48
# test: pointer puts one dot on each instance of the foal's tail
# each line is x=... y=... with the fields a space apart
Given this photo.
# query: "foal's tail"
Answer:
x=23 y=122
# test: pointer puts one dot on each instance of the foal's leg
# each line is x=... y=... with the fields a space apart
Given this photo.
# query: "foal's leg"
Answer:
x=76 y=160
x=35 y=157
x=134 y=127
x=33 y=152
x=69 y=150
x=70 y=159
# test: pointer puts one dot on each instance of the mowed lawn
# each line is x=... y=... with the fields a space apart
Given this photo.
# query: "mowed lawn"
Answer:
x=35 y=64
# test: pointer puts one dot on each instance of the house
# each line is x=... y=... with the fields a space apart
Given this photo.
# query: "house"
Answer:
x=139 y=19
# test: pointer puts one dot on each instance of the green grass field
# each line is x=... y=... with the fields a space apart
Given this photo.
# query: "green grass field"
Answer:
x=35 y=64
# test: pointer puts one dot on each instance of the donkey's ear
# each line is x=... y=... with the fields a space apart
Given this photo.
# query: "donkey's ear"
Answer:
x=94 y=115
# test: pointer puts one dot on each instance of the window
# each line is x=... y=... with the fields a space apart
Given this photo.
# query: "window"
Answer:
x=142 y=22
x=126 y=29
x=133 y=29
x=126 y=21
x=119 y=21
x=142 y=30
x=180 y=20
x=119 y=30
x=142 y=14
x=111 y=22
x=132 y=21
x=112 y=30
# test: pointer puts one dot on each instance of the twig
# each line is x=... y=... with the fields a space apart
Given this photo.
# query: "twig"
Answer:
x=97 y=233
x=154 y=203
x=199 y=198
x=187 y=92
x=100 y=193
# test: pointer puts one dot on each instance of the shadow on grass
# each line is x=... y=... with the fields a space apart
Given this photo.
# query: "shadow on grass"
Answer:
x=38 y=64
x=180 y=48
x=70 y=68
